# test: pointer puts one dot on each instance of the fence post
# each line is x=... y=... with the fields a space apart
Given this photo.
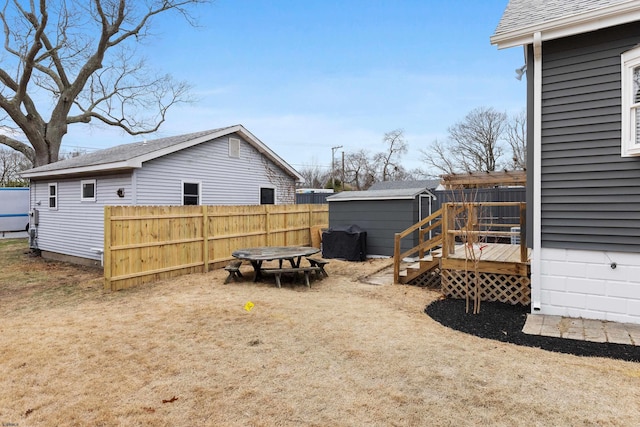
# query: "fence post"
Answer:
x=310 y=224
x=106 y=260
x=267 y=225
x=205 y=237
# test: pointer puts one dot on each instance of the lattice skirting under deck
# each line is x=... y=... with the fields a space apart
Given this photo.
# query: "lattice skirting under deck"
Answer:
x=504 y=288
x=430 y=279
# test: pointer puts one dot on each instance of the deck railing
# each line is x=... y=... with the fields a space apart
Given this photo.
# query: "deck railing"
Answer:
x=463 y=222
x=426 y=227
x=473 y=222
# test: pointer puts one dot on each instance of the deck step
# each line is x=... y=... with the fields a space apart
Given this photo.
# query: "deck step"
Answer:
x=417 y=269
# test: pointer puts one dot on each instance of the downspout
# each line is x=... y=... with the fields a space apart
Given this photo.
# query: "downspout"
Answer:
x=536 y=276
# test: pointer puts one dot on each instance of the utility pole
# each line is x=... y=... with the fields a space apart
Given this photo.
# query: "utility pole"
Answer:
x=343 y=171
x=333 y=167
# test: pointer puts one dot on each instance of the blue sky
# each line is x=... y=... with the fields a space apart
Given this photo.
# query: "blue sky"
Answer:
x=305 y=76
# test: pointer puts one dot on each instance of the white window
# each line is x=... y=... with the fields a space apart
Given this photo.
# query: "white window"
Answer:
x=53 y=196
x=631 y=103
x=88 y=190
x=234 y=148
x=190 y=193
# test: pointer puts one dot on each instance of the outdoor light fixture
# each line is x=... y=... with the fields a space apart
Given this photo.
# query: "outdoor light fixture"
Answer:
x=520 y=71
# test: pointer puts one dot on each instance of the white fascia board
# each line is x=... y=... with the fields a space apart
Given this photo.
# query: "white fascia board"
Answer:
x=577 y=24
x=83 y=170
x=351 y=199
x=412 y=196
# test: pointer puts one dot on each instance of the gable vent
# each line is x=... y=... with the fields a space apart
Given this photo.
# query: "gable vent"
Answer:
x=234 y=148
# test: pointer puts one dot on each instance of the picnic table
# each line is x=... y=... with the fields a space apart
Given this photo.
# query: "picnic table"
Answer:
x=292 y=254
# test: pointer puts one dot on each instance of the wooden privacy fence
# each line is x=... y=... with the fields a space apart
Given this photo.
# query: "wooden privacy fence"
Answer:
x=148 y=243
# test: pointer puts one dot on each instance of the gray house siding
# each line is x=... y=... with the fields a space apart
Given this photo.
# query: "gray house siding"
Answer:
x=231 y=181
x=590 y=194
x=381 y=219
x=76 y=226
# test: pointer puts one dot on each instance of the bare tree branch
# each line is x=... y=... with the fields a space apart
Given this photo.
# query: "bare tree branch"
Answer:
x=516 y=136
x=390 y=159
x=11 y=164
x=21 y=147
x=360 y=170
x=81 y=55
x=474 y=144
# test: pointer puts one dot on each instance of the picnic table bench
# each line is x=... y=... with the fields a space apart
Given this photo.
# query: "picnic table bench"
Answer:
x=233 y=268
x=320 y=263
x=277 y=272
x=292 y=254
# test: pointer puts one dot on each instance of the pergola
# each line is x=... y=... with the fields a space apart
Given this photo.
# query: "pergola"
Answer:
x=484 y=179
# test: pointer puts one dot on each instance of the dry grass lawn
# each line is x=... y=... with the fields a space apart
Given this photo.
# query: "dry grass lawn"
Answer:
x=186 y=352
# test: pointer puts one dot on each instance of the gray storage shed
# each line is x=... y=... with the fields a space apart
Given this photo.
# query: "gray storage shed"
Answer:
x=381 y=213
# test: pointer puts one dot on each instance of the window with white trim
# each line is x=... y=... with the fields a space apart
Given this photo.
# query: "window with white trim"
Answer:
x=631 y=103
x=88 y=190
x=190 y=193
x=53 y=196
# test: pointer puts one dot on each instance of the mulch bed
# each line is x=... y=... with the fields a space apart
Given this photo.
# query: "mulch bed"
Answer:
x=503 y=322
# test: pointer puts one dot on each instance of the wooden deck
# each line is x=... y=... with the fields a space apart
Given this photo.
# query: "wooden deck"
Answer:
x=501 y=274
x=492 y=258
x=497 y=252
x=493 y=272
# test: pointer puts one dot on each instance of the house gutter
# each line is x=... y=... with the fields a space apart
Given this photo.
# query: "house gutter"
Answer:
x=536 y=276
x=580 y=23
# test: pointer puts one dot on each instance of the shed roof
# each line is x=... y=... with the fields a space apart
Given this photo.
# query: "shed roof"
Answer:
x=131 y=156
x=393 y=194
x=399 y=185
x=560 y=18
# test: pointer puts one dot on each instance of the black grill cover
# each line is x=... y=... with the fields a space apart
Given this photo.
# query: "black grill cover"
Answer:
x=345 y=242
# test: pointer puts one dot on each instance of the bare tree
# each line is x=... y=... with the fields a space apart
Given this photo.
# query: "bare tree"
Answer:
x=516 y=136
x=360 y=171
x=75 y=61
x=474 y=144
x=313 y=175
x=389 y=160
x=438 y=157
x=11 y=164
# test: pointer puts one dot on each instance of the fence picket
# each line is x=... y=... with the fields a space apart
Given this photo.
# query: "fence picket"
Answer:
x=148 y=243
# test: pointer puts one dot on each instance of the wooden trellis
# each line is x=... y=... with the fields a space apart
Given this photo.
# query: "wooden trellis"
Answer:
x=506 y=288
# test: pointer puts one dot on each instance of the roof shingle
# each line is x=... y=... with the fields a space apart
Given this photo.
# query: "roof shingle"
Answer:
x=524 y=13
x=122 y=152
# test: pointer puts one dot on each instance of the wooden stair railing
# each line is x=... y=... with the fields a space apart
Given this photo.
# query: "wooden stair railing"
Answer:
x=431 y=222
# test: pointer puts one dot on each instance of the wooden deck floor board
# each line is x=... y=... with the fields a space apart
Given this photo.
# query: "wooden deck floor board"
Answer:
x=494 y=252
